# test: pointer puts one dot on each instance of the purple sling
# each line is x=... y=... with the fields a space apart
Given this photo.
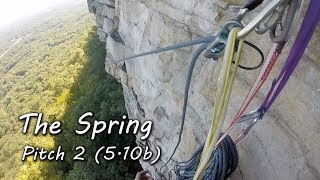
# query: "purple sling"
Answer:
x=308 y=27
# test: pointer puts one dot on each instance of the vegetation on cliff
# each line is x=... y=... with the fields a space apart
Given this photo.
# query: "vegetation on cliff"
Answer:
x=56 y=66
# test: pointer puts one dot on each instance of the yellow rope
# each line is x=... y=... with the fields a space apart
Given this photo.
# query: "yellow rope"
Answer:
x=224 y=88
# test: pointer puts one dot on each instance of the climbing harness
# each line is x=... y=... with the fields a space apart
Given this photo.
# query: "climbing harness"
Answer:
x=218 y=157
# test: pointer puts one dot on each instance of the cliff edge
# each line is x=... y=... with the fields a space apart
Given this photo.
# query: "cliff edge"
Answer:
x=285 y=145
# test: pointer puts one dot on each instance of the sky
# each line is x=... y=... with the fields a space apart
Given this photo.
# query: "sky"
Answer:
x=12 y=11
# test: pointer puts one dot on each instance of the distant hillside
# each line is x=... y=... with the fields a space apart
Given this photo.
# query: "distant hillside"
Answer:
x=54 y=64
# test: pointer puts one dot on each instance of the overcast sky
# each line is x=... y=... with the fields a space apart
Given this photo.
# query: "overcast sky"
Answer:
x=13 y=10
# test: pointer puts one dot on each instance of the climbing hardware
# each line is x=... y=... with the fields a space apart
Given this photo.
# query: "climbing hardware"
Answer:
x=217 y=158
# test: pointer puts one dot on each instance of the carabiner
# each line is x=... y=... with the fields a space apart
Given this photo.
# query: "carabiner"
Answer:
x=252 y=123
x=271 y=21
x=256 y=113
x=292 y=12
x=260 y=17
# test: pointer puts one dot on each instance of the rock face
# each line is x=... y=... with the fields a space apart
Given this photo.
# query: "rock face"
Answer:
x=285 y=145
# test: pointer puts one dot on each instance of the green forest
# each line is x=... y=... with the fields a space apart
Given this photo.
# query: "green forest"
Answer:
x=55 y=65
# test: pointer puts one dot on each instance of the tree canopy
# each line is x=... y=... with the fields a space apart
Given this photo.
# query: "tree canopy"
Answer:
x=56 y=66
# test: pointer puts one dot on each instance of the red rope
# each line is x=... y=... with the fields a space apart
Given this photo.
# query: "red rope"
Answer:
x=249 y=98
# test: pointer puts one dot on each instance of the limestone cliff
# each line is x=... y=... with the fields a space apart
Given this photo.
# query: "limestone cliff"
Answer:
x=285 y=145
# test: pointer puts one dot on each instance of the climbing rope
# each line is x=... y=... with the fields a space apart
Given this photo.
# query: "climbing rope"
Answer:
x=218 y=158
x=224 y=87
x=261 y=78
x=306 y=31
x=226 y=155
x=172 y=47
x=186 y=92
x=205 y=42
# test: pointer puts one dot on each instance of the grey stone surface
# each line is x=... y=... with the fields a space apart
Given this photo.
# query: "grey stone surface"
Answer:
x=108 y=12
x=107 y=25
x=285 y=145
x=107 y=2
x=102 y=34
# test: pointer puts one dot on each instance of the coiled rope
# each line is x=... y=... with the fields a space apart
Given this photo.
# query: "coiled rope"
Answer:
x=223 y=162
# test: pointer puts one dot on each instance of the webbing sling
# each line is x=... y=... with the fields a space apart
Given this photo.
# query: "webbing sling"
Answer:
x=306 y=31
x=308 y=26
